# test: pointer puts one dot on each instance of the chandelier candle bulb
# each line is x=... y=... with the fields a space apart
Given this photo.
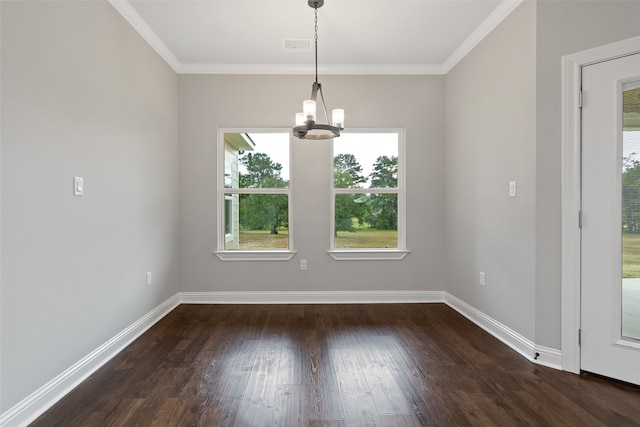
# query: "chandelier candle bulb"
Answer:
x=338 y=117
x=300 y=118
x=309 y=109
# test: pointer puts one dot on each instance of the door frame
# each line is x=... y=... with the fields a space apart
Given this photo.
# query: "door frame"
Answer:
x=571 y=189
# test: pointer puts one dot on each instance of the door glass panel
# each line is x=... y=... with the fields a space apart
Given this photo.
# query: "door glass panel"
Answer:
x=631 y=211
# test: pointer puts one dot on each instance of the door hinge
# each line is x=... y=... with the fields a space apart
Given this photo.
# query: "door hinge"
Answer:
x=580 y=99
x=580 y=220
x=579 y=337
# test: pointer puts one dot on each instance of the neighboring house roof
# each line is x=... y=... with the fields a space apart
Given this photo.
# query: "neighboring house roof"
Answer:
x=240 y=141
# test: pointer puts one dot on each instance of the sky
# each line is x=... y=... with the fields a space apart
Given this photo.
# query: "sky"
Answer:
x=367 y=147
x=276 y=146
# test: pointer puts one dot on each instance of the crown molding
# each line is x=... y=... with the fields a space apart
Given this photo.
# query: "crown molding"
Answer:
x=138 y=24
x=135 y=20
x=488 y=25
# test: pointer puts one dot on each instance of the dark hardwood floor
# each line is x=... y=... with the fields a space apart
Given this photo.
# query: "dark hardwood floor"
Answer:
x=333 y=365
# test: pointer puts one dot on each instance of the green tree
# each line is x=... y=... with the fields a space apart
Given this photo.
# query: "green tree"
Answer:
x=347 y=173
x=262 y=172
x=631 y=194
x=383 y=213
x=262 y=211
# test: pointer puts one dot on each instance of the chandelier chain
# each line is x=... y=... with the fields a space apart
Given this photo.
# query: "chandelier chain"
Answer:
x=316 y=39
x=316 y=24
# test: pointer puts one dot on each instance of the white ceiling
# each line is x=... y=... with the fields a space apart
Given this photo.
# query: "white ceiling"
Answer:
x=354 y=36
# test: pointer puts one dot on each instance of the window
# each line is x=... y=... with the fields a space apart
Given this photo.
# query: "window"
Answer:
x=368 y=195
x=255 y=188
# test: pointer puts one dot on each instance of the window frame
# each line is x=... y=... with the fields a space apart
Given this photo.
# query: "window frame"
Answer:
x=373 y=254
x=222 y=193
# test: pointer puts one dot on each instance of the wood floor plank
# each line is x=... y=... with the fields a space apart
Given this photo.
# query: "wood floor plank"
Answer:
x=323 y=403
x=258 y=401
x=357 y=402
x=290 y=366
x=291 y=405
x=315 y=367
x=333 y=365
x=385 y=391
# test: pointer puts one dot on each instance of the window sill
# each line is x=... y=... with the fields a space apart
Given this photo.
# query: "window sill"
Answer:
x=368 y=255
x=255 y=255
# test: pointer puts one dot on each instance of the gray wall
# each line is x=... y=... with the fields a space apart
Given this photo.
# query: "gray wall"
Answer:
x=563 y=27
x=82 y=94
x=490 y=125
x=413 y=102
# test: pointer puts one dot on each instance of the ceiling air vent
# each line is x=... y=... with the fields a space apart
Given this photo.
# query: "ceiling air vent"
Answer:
x=296 y=45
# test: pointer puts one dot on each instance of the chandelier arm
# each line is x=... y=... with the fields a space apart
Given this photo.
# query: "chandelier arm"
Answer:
x=324 y=107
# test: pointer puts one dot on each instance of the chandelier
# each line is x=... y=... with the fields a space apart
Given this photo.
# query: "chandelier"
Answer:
x=306 y=126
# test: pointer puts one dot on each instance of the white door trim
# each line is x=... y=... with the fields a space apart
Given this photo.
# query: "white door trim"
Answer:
x=571 y=189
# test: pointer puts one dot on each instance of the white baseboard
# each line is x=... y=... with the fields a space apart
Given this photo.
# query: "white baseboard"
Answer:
x=328 y=297
x=537 y=354
x=38 y=402
x=46 y=396
x=508 y=336
x=549 y=357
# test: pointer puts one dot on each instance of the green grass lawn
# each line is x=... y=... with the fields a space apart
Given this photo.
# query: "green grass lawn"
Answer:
x=362 y=238
x=630 y=255
x=261 y=239
x=367 y=238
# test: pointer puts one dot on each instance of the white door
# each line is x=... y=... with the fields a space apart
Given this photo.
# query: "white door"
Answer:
x=610 y=270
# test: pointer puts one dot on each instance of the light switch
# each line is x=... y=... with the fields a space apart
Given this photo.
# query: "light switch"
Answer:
x=78 y=186
x=512 y=189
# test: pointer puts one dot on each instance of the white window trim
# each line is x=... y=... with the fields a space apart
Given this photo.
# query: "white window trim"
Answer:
x=374 y=254
x=255 y=255
x=244 y=255
x=368 y=254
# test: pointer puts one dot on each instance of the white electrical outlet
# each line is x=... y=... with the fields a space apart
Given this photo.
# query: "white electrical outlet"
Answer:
x=303 y=264
x=148 y=278
x=513 y=189
x=483 y=279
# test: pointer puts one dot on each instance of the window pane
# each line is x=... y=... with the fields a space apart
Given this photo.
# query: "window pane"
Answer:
x=366 y=221
x=263 y=222
x=365 y=160
x=230 y=159
x=261 y=160
x=228 y=214
x=631 y=211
